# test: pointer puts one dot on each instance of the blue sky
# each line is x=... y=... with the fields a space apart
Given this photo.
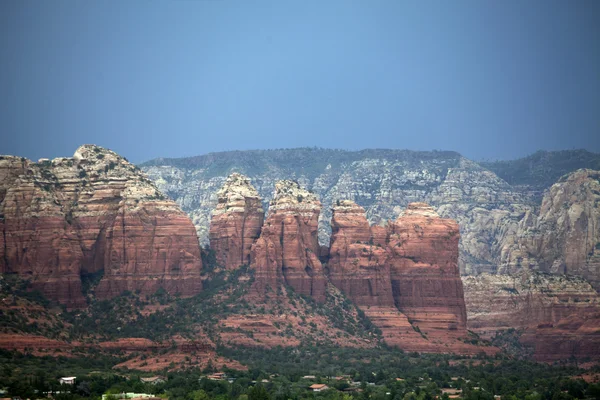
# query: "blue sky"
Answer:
x=490 y=79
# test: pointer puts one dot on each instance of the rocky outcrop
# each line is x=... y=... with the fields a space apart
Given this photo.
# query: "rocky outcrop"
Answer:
x=404 y=277
x=236 y=222
x=525 y=299
x=287 y=250
x=564 y=237
x=572 y=337
x=424 y=268
x=383 y=182
x=358 y=259
x=93 y=214
x=558 y=314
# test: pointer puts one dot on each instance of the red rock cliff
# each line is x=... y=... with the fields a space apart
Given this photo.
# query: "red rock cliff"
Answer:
x=69 y=217
x=424 y=268
x=287 y=250
x=236 y=222
x=404 y=277
x=553 y=311
x=358 y=259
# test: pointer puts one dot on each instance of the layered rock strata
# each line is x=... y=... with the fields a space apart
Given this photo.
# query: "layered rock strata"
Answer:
x=405 y=277
x=564 y=237
x=383 y=182
x=525 y=299
x=94 y=214
x=358 y=260
x=572 y=337
x=236 y=222
x=558 y=315
x=287 y=250
x=424 y=271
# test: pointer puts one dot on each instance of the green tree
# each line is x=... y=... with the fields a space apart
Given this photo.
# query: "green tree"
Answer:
x=199 y=395
x=258 y=392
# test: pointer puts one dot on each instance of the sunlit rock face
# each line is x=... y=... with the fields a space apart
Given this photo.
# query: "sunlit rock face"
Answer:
x=93 y=213
x=404 y=276
x=358 y=258
x=287 y=250
x=236 y=222
x=424 y=268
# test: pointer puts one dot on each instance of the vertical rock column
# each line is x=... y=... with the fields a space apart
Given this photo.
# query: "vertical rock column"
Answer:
x=236 y=222
x=358 y=260
x=426 y=282
x=287 y=250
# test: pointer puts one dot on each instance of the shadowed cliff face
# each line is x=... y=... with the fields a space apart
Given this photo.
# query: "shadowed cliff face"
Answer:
x=236 y=222
x=287 y=250
x=93 y=213
x=558 y=315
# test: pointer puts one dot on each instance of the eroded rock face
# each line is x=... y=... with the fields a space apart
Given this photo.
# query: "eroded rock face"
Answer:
x=556 y=312
x=525 y=299
x=93 y=213
x=424 y=268
x=572 y=337
x=564 y=238
x=287 y=250
x=383 y=182
x=405 y=277
x=358 y=259
x=236 y=222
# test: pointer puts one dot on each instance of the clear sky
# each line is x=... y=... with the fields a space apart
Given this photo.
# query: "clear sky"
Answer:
x=491 y=79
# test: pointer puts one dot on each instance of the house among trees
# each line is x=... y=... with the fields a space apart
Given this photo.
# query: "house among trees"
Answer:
x=67 y=380
x=155 y=380
x=452 y=393
x=217 y=376
x=318 y=387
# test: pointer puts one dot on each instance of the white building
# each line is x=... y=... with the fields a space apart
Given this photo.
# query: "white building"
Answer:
x=67 y=380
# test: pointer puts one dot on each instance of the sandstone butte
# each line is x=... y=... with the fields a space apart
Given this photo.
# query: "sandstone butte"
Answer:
x=93 y=213
x=405 y=277
x=287 y=250
x=236 y=222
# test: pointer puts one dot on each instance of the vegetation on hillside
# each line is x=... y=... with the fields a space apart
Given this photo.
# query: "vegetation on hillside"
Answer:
x=543 y=168
x=307 y=161
x=286 y=374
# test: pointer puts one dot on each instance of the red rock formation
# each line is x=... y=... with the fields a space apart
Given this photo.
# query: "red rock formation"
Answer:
x=572 y=337
x=417 y=256
x=358 y=260
x=288 y=249
x=236 y=222
x=500 y=302
x=554 y=311
x=69 y=217
x=424 y=269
